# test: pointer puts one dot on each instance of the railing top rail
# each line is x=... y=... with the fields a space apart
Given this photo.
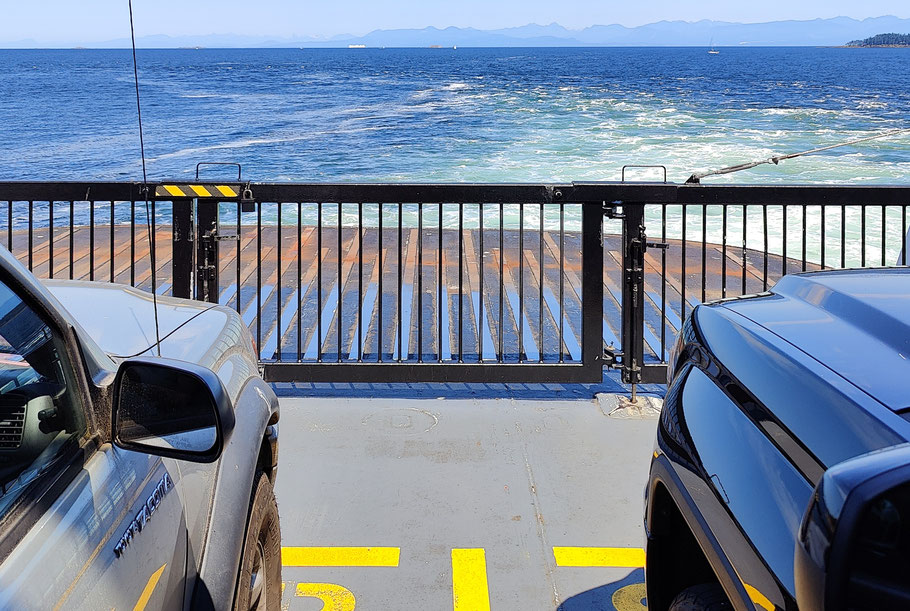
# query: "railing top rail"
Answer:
x=628 y=193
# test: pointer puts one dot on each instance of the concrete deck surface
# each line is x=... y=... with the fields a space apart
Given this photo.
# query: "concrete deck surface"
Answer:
x=426 y=476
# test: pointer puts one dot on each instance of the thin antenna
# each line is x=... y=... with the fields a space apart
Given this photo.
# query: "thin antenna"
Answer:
x=145 y=186
x=696 y=177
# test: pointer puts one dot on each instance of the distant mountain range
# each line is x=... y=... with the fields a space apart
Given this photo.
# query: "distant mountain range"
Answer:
x=816 y=32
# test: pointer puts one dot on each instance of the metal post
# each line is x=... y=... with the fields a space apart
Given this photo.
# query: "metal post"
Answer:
x=207 y=251
x=183 y=259
x=633 y=290
x=592 y=289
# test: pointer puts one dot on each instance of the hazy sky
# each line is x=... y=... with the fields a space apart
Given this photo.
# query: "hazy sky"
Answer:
x=99 y=20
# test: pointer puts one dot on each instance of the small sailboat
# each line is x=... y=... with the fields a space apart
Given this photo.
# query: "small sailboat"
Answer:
x=713 y=51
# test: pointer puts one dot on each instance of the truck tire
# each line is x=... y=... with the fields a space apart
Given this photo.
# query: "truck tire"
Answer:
x=259 y=581
x=704 y=597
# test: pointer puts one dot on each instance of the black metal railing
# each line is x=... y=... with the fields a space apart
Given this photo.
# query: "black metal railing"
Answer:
x=480 y=283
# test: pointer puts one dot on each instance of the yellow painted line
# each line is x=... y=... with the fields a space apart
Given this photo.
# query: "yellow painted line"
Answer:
x=333 y=597
x=470 y=591
x=340 y=556
x=174 y=190
x=758 y=598
x=226 y=191
x=149 y=589
x=622 y=557
x=200 y=190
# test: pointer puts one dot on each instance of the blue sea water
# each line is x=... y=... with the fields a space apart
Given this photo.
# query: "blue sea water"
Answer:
x=497 y=115
x=454 y=115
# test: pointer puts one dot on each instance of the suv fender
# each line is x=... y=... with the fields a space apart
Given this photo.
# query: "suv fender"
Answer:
x=217 y=579
x=662 y=474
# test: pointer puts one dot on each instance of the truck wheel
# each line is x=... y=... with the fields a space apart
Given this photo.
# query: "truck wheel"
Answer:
x=704 y=597
x=259 y=583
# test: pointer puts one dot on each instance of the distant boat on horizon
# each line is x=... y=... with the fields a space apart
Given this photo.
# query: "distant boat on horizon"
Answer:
x=713 y=51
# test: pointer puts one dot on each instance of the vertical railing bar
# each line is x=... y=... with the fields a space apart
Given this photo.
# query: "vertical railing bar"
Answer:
x=91 y=241
x=480 y=318
x=30 y=234
x=379 y=288
x=73 y=243
x=723 y=259
x=843 y=236
x=419 y=282
x=704 y=253
x=784 y=260
x=360 y=282
x=562 y=280
x=883 y=236
x=9 y=226
x=400 y=282
x=440 y=293
x=318 y=282
x=682 y=288
x=278 y=283
x=805 y=233
x=502 y=252
x=824 y=210
x=239 y=241
x=299 y=281
x=540 y=280
x=904 y=232
x=132 y=244
x=745 y=228
x=764 y=212
x=663 y=280
x=259 y=275
x=338 y=311
x=461 y=206
x=50 y=244
x=863 y=237
x=154 y=241
x=521 y=278
x=112 y=240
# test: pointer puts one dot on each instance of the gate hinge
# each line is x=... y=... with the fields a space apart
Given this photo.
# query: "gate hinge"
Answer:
x=612 y=357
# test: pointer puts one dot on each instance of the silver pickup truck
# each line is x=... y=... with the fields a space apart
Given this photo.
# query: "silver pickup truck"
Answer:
x=130 y=480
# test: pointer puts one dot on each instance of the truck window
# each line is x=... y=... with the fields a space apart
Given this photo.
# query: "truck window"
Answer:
x=38 y=416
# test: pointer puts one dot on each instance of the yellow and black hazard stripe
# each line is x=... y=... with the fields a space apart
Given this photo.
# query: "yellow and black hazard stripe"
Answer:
x=197 y=191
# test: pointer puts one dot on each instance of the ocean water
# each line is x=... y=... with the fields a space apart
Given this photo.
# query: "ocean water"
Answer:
x=510 y=115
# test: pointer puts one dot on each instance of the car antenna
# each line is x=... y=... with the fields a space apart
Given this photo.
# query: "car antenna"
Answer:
x=697 y=176
x=145 y=186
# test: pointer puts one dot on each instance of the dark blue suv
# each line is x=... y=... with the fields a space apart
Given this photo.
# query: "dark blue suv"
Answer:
x=781 y=473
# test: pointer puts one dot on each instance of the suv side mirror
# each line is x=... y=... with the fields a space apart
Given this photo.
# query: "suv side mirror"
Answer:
x=171 y=408
x=853 y=548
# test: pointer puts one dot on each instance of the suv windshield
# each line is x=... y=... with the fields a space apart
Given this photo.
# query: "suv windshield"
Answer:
x=37 y=413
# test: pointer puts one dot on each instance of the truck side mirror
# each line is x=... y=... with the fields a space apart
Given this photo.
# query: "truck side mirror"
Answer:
x=171 y=408
x=853 y=548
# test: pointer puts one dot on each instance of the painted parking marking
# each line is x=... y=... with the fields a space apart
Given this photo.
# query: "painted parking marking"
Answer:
x=340 y=556
x=470 y=591
x=617 y=557
x=333 y=596
x=149 y=589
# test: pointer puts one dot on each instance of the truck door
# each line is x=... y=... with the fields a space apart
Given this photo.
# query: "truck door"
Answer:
x=81 y=526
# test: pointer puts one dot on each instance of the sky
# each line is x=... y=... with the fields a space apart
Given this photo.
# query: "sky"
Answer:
x=66 y=21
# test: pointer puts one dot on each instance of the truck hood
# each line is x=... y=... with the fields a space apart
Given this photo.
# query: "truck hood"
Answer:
x=121 y=319
x=855 y=322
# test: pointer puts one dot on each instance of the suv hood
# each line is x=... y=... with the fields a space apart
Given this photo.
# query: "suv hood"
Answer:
x=121 y=319
x=855 y=322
